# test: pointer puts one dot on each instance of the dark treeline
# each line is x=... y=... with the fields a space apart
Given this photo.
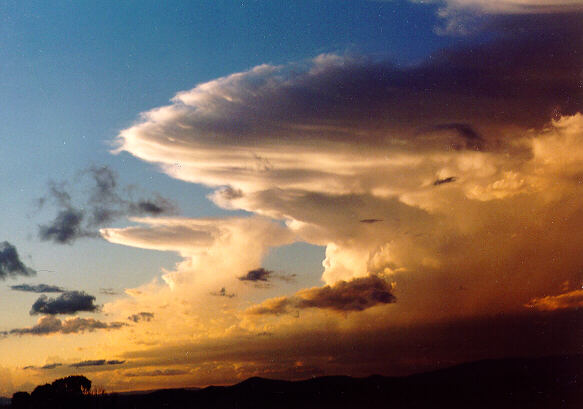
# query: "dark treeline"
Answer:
x=66 y=393
x=543 y=383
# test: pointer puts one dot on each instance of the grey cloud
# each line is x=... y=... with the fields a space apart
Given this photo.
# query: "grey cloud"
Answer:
x=10 y=263
x=70 y=302
x=96 y=362
x=104 y=203
x=355 y=295
x=49 y=324
x=141 y=316
x=65 y=228
x=38 y=288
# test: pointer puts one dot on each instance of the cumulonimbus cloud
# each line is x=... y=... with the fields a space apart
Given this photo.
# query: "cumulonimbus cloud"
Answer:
x=10 y=263
x=451 y=174
x=69 y=302
x=49 y=324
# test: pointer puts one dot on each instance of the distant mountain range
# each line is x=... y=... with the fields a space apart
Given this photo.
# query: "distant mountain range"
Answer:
x=549 y=383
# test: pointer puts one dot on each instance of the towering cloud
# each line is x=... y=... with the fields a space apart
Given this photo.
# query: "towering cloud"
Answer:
x=447 y=154
x=10 y=263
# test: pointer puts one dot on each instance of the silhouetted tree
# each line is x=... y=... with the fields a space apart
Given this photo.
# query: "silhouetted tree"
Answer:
x=72 y=385
x=21 y=400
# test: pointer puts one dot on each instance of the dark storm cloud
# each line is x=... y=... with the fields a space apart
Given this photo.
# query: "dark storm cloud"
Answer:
x=70 y=302
x=38 y=288
x=141 y=316
x=259 y=274
x=104 y=203
x=10 y=263
x=222 y=293
x=49 y=324
x=355 y=295
x=444 y=180
x=96 y=362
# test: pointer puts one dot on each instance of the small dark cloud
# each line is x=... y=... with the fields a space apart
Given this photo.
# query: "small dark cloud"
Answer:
x=223 y=293
x=96 y=362
x=445 y=180
x=230 y=193
x=356 y=295
x=38 y=288
x=10 y=263
x=103 y=203
x=49 y=324
x=65 y=228
x=141 y=316
x=108 y=291
x=44 y=367
x=370 y=221
x=70 y=302
x=156 y=206
x=261 y=277
x=259 y=274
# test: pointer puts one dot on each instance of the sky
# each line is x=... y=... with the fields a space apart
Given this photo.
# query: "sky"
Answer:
x=194 y=193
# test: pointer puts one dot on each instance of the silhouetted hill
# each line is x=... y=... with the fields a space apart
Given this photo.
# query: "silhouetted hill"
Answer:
x=550 y=383
x=543 y=383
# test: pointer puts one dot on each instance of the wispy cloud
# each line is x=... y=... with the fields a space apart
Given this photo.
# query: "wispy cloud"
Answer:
x=96 y=362
x=49 y=324
x=44 y=367
x=104 y=203
x=568 y=300
x=157 y=372
x=38 y=288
